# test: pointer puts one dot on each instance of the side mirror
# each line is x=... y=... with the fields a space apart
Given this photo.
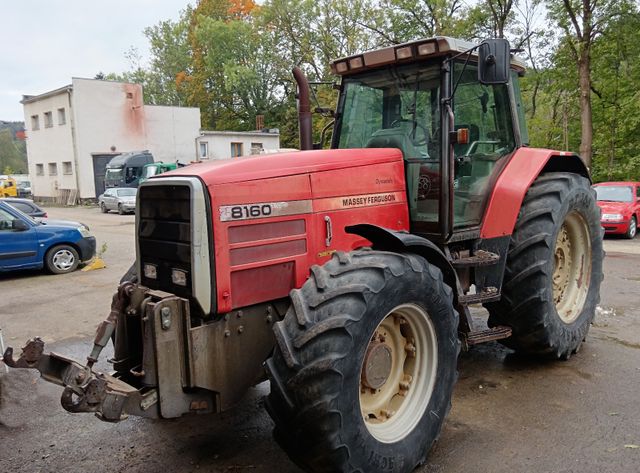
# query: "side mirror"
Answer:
x=493 y=61
x=19 y=226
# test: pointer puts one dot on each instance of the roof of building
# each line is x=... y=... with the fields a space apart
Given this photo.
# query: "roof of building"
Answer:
x=266 y=131
x=34 y=98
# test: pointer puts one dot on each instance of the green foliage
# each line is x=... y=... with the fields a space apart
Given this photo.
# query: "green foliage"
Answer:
x=13 y=156
x=233 y=60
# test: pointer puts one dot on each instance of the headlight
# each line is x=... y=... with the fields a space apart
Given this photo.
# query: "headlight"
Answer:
x=179 y=277
x=611 y=217
x=84 y=231
x=150 y=271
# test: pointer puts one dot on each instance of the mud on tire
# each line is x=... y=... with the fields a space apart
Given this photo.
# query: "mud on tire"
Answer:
x=315 y=372
x=556 y=244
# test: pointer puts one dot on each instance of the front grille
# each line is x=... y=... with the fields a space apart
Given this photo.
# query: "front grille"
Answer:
x=164 y=235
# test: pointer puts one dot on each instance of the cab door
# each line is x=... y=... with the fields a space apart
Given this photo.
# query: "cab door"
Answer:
x=18 y=247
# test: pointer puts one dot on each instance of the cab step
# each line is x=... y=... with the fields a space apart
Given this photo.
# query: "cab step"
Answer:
x=481 y=336
x=487 y=294
x=480 y=258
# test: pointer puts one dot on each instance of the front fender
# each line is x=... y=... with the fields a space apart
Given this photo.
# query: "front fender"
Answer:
x=402 y=242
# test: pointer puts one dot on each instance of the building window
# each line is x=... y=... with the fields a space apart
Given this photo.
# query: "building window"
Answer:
x=35 y=122
x=39 y=169
x=53 y=169
x=256 y=148
x=62 y=116
x=204 y=149
x=236 y=150
x=48 y=119
x=66 y=167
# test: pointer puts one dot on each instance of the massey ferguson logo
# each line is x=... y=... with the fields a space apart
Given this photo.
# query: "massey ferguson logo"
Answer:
x=368 y=200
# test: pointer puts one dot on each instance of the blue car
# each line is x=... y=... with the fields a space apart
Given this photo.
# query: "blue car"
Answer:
x=28 y=244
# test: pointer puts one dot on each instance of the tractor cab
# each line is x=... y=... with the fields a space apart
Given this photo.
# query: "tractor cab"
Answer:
x=455 y=130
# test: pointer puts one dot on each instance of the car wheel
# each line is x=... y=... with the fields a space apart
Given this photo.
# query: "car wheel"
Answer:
x=120 y=209
x=103 y=208
x=633 y=228
x=62 y=259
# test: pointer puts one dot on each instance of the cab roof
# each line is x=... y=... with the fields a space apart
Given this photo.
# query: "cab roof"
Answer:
x=407 y=53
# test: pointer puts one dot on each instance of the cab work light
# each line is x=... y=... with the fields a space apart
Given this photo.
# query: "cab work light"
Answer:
x=150 y=271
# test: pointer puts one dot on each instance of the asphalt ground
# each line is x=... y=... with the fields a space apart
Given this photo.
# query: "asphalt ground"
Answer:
x=510 y=414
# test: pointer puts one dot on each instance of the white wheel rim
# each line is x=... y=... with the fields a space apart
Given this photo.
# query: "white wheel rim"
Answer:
x=632 y=228
x=63 y=260
x=393 y=411
x=572 y=267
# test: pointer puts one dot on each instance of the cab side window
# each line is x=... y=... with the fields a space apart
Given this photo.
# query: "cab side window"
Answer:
x=6 y=221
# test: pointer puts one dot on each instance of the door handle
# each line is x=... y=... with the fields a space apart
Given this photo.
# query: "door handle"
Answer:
x=329 y=228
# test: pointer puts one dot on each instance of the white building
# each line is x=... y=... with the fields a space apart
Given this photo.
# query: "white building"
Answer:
x=74 y=131
x=231 y=144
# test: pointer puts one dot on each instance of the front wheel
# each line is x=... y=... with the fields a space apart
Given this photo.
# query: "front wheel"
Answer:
x=633 y=228
x=103 y=208
x=120 y=209
x=62 y=259
x=364 y=368
x=554 y=268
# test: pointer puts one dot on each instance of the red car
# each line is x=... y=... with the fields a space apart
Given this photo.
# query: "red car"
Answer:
x=620 y=205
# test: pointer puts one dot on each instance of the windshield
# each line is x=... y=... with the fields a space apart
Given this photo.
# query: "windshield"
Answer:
x=614 y=193
x=127 y=192
x=150 y=171
x=114 y=174
x=392 y=108
x=24 y=184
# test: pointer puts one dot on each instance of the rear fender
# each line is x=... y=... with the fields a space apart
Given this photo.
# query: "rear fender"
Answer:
x=400 y=242
x=523 y=168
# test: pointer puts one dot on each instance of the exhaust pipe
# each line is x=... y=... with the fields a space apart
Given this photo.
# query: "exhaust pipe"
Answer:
x=304 y=110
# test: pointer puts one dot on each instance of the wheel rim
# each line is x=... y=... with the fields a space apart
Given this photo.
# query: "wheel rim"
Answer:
x=398 y=373
x=633 y=227
x=572 y=267
x=63 y=260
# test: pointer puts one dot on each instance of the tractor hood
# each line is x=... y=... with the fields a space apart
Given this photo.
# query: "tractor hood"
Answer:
x=229 y=171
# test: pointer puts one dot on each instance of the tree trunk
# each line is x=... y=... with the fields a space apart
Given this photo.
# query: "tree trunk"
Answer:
x=586 y=137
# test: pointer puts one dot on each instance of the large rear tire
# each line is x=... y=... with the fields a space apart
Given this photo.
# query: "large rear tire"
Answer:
x=554 y=268
x=365 y=364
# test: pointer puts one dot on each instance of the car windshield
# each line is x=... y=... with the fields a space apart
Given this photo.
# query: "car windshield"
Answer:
x=126 y=192
x=150 y=171
x=114 y=173
x=24 y=184
x=614 y=193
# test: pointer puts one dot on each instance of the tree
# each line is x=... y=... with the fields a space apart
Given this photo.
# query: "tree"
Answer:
x=582 y=21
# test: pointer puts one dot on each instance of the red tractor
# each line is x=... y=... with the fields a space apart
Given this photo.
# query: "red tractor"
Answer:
x=345 y=276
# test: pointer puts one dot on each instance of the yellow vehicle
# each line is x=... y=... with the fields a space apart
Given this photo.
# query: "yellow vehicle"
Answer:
x=8 y=187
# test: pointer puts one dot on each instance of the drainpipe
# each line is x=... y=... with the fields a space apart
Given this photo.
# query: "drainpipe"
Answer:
x=304 y=110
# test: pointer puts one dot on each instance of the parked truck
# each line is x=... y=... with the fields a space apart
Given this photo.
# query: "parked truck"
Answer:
x=126 y=169
x=345 y=276
x=158 y=167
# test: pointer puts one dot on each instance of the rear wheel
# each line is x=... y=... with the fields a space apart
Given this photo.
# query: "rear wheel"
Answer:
x=363 y=371
x=554 y=268
x=633 y=228
x=62 y=259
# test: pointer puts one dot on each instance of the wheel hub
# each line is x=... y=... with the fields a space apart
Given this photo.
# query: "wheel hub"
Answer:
x=572 y=267
x=377 y=365
x=398 y=373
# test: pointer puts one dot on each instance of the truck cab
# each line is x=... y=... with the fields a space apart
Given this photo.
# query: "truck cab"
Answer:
x=8 y=187
x=126 y=169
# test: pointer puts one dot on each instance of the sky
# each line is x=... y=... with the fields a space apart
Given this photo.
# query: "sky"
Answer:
x=44 y=43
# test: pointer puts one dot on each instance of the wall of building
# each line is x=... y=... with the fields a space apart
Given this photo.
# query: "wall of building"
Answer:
x=50 y=148
x=112 y=114
x=219 y=143
x=171 y=132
